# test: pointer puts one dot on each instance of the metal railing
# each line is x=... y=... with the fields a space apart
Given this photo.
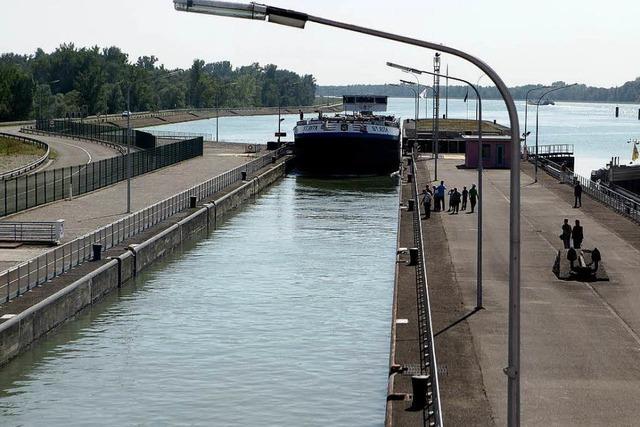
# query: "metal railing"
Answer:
x=429 y=366
x=27 y=191
x=207 y=137
x=555 y=149
x=30 y=166
x=615 y=200
x=38 y=270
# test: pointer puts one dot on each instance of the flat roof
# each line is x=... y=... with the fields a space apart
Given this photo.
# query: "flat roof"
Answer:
x=457 y=125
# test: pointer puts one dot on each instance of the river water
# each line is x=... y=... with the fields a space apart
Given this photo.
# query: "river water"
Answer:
x=592 y=128
x=280 y=317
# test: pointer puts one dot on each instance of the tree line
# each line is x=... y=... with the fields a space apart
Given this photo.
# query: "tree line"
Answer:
x=628 y=92
x=73 y=81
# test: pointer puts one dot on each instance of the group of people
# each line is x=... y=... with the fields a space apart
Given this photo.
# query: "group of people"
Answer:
x=436 y=195
x=568 y=233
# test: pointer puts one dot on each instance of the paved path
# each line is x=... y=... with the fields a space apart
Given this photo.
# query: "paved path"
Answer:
x=69 y=152
x=93 y=210
x=580 y=341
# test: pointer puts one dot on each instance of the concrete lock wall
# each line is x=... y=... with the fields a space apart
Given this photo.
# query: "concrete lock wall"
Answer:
x=18 y=333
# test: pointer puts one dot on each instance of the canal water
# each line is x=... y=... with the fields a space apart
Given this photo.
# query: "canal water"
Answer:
x=280 y=317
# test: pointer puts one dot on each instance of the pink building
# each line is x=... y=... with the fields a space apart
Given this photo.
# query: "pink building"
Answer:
x=496 y=151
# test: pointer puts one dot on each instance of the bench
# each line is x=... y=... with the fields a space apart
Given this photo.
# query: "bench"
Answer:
x=32 y=232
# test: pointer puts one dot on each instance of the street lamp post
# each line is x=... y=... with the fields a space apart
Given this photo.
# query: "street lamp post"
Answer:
x=417 y=97
x=299 y=20
x=526 y=110
x=416 y=107
x=218 y=106
x=480 y=169
x=535 y=174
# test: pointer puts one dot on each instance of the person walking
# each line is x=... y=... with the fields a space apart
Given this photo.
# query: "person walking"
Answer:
x=473 y=197
x=455 y=201
x=566 y=234
x=450 y=201
x=577 y=193
x=426 y=201
x=441 y=191
x=577 y=234
x=465 y=196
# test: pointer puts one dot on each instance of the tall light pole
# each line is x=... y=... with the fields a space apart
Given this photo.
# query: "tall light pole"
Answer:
x=537 y=110
x=526 y=110
x=415 y=106
x=299 y=20
x=480 y=169
x=218 y=105
x=417 y=97
x=436 y=107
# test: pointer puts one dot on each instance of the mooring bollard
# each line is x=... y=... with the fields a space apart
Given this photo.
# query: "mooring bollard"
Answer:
x=244 y=176
x=192 y=201
x=413 y=256
x=419 y=384
x=410 y=205
x=97 y=251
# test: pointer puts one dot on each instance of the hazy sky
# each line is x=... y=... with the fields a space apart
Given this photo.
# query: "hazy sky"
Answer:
x=587 y=41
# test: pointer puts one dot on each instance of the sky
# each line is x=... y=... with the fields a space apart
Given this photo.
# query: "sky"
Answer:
x=542 y=41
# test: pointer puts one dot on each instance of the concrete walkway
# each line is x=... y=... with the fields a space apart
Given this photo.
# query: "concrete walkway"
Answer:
x=580 y=341
x=93 y=210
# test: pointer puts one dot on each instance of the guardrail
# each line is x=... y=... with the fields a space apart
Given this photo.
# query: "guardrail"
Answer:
x=617 y=201
x=38 y=270
x=26 y=168
x=41 y=232
x=429 y=366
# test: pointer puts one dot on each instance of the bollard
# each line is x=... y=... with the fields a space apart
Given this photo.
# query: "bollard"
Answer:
x=413 y=256
x=97 y=252
x=617 y=111
x=410 y=205
x=409 y=177
x=419 y=384
x=244 y=176
x=192 y=201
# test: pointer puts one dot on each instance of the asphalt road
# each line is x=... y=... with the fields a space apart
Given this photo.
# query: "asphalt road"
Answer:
x=69 y=152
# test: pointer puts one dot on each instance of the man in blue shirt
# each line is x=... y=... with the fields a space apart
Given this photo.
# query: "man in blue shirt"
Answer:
x=440 y=193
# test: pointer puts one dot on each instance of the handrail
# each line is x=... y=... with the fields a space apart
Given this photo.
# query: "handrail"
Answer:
x=612 y=198
x=30 y=166
x=433 y=410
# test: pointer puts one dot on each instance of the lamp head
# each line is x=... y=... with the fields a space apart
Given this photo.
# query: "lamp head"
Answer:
x=256 y=11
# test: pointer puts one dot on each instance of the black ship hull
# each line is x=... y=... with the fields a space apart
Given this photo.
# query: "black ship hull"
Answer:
x=345 y=154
